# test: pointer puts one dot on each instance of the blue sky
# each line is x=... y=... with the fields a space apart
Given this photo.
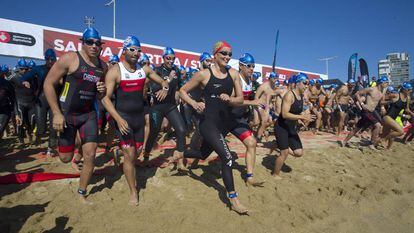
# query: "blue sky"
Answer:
x=308 y=29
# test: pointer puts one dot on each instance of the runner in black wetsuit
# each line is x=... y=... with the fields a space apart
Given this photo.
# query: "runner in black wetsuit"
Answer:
x=285 y=129
x=219 y=83
x=8 y=102
x=401 y=101
x=167 y=108
x=39 y=73
x=25 y=97
x=242 y=114
x=126 y=80
x=82 y=75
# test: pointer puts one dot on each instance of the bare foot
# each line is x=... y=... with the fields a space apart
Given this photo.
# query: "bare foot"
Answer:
x=237 y=206
x=252 y=183
x=181 y=166
x=133 y=200
x=84 y=200
x=277 y=177
x=76 y=165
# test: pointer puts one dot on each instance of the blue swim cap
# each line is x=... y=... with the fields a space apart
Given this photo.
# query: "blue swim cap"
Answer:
x=4 y=68
x=407 y=86
x=383 y=79
x=300 y=77
x=277 y=83
x=31 y=63
x=131 y=41
x=286 y=82
x=144 y=57
x=91 y=33
x=312 y=82
x=319 y=81
x=21 y=63
x=204 y=56
x=256 y=75
x=50 y=53
x=246 y=58
x=181 y=68
x=113 y=59
x=272 y=74
x=168 y=51
x=391 y=89
x=351 y=81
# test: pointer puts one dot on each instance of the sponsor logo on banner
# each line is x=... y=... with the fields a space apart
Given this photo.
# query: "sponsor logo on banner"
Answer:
x=17 y=38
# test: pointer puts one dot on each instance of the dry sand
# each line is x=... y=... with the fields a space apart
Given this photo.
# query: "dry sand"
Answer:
x=330 y=189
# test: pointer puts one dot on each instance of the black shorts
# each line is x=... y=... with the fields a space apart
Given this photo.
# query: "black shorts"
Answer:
x=344 y=108
x=241 y=130
x=85 y=123
x=135 y=136
x=368 y=119
x=287 y=137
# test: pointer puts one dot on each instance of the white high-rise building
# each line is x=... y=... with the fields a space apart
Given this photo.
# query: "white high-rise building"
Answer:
x=396 y=67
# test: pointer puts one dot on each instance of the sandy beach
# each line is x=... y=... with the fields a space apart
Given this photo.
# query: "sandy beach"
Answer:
x=330 y=189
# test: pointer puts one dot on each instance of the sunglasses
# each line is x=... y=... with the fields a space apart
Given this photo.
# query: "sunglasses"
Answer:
x=169 y=58
x=98 y=43
x=248 y=65
x=208 y=60
x=133 y=50
x=23 y=68
x=224 y=53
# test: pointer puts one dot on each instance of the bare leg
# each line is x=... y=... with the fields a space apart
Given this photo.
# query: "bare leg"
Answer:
x=89 y=150
x=130 y=173
x=280 y=160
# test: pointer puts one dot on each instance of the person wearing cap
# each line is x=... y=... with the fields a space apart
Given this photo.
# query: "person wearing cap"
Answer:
x=25 y=97
x=264 y=95
x=286 y=133
x=113 y=59
x=398 y=101
x=81 y=75
x=167 y=108
x=315 y=94
x=342 y=100
x=38 y=74
x=144 y=60
x=328 y=105
x=369 y=115
x=219 y=82
x=242 y=113
x=8 y=103
x=127 y=80
x=205 y=60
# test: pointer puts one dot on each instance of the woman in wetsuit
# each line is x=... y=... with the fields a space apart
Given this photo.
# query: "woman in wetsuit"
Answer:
x=400 y=101
x=218 y=82
x=285 y=129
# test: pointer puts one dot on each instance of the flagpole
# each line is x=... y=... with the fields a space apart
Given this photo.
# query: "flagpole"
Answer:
x=114 y=17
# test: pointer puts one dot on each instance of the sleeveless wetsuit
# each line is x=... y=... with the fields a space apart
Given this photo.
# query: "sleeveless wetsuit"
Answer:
x=396 y=107
x=77 y=103
x=129 y=102
x=285 y=130
x=215 y=124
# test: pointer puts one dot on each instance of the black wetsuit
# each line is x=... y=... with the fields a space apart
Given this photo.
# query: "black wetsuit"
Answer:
x=396 y=107
x=77 y=103
x=286 y=133
x=216 y=122
x=26 y=107
x=166 y=108
x=129 y=103
x=7 y=103
x=38 y=74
